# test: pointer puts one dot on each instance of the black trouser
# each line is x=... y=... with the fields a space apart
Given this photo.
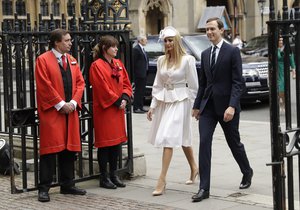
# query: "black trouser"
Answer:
x=139 y=93
x=108 y=155
x=207 y=124
x=66 y=169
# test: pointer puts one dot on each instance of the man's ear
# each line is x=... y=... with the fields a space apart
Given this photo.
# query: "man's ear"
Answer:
x=55 y=43
x=222 y=30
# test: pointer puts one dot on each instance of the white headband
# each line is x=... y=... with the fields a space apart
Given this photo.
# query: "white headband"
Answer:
x=168 y=31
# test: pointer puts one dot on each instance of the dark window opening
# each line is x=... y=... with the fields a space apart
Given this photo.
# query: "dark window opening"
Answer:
x=55 y=8
x=7 y=7
x=20 y=7
x=44 y=8
x=71 y=7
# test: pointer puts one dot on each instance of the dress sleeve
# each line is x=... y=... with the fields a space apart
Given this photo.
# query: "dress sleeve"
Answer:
x=192 y=78
x=157 y=89
x=292 y=61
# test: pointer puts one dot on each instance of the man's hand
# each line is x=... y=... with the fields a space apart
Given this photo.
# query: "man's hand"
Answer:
x=67 y=108
x=228 y=114
x=196 y=113
x=123 y=104
x=72 y=106
x=149 y=114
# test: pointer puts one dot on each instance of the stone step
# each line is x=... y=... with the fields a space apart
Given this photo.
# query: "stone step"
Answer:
x=139 y=161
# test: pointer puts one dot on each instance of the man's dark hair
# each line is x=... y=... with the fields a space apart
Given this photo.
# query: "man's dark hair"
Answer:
x=219 y=21
x=56 y=36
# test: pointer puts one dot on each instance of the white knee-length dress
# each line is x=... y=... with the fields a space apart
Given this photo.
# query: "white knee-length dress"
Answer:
x=173 y=95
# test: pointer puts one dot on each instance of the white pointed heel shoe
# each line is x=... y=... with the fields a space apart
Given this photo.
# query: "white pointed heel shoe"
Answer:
x=192 y=178
x=160 y=189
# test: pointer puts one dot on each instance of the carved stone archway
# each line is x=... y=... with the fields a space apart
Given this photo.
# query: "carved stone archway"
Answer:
x=158 y=14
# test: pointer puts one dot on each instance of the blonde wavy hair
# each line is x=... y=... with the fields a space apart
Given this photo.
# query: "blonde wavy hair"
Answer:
x=179 y=51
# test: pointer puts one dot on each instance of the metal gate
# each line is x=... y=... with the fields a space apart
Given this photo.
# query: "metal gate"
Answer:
x=20 y=46
x=285 y=134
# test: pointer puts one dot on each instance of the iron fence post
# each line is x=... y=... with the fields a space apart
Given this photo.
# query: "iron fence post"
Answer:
x=276 y=147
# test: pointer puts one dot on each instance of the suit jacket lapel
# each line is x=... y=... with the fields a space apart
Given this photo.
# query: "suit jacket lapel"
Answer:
x=140 y=49
x=207 y=63
x=220 y=56
x=143 y=53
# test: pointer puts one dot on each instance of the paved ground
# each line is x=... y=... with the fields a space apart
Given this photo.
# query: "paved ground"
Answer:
x=226 y=177
x=29 y=201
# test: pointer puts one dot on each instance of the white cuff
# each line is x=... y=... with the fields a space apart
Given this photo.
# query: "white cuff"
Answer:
x=59 y=105
x=153 y=104
x=74 y=103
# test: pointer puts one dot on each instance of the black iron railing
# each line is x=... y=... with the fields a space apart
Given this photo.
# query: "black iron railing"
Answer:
x=20 y=45
x=285 y=134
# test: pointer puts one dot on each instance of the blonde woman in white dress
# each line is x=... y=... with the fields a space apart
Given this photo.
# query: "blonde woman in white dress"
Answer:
x=174 y=90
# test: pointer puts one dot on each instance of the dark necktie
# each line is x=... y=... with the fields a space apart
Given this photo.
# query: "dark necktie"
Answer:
x=63 y=61
x=213 y=58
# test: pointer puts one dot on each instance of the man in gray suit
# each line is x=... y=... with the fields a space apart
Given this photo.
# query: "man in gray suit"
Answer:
x=140 y=67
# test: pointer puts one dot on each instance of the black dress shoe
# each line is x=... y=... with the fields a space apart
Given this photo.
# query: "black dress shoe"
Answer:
x=115 y=179
x=246 y=181
x=139 y=111
x=202 y=194
x=107 y=183
x=72 y=190
x=43 y=197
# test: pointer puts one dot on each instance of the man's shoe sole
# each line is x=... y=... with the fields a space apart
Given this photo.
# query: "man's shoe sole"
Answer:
x=72 y=193
x=43 y=200
x=245 y=186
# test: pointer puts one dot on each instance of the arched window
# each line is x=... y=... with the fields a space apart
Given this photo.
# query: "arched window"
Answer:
x=20 y=7
x=71 y=7
x=55 y=8
x=44 y=8
x=7 y=7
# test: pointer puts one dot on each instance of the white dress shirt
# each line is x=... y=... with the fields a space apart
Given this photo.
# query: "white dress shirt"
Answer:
x=219 y=45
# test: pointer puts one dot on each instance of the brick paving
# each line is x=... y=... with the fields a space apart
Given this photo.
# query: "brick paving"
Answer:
x=28 y=201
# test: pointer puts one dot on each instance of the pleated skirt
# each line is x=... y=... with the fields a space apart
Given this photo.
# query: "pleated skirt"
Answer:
x=171 y=124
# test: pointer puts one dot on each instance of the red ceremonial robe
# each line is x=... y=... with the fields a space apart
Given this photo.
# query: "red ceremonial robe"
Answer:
x=55 y=133
x=109 y=120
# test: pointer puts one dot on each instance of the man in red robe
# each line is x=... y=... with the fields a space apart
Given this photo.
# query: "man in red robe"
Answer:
x=59 y=88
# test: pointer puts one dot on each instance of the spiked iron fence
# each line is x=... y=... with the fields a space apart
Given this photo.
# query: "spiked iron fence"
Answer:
x=285 y=134
x=20 y=45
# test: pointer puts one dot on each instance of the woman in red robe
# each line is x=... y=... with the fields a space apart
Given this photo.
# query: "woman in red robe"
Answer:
x=111 y=93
